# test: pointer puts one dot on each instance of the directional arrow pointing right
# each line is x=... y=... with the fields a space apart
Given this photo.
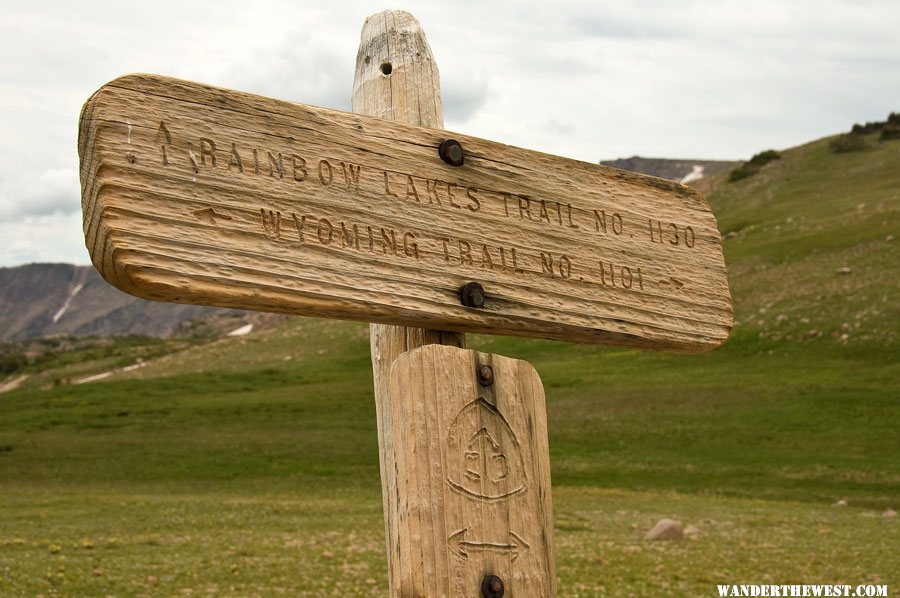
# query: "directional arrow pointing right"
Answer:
x=673 y=282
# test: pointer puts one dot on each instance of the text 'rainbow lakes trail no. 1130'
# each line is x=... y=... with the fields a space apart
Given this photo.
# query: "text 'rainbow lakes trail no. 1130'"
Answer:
x=201 y=195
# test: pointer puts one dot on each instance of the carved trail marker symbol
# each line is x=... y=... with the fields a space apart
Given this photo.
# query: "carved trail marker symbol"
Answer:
x=484 y=456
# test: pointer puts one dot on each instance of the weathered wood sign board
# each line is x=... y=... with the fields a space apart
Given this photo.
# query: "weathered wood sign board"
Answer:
x=196 y=194
x=473 y=474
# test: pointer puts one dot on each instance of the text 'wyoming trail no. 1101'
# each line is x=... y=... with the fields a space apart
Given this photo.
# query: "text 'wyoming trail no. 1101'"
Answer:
x=203 y=195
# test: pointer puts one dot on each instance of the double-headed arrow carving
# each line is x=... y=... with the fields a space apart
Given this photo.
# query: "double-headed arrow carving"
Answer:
x=461 y=546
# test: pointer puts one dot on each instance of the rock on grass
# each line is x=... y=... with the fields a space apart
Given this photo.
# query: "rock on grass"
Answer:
x=666 y=529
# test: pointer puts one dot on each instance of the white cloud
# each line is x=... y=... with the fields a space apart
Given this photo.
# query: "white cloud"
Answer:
x=53 y=191
x=49 y=238
x=591 y=79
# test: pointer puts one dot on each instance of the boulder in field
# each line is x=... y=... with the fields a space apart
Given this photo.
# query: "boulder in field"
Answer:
x=666 y=529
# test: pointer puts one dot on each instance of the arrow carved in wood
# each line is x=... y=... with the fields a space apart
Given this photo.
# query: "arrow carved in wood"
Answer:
x=673 y=282
x=461 y=546
x=209 y=215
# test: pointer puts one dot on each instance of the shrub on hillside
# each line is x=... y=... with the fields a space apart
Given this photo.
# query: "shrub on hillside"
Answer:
x=11 y=361
x=739 y=173
x=891 y=128
x=869 y=127
x=890 y=131
x=848 y=143
x=765 y=157
x=892 y=122
x=753 y=165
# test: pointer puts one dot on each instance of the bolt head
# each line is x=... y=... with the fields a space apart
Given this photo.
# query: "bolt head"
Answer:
x=451 y=152
x=472 y=295
x=485 y=375
x=492 y=587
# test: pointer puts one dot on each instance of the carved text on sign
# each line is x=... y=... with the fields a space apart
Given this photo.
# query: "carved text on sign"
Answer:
x=455 y=252
x=204 y=154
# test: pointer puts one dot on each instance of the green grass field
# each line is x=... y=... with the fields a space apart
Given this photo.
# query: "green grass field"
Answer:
x=249 y=466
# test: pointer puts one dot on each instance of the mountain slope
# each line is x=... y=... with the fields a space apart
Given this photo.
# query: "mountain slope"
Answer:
x=685 y=171
x=62 y=299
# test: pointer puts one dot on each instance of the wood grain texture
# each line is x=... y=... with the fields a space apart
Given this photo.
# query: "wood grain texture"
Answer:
x=411 y=94
x=473 y=471
x=195 y=194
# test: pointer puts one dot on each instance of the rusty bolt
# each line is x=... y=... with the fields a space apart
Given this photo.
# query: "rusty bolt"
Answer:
x=471 y=294
x=492 y=586
x=485 y=375
x=451 y=152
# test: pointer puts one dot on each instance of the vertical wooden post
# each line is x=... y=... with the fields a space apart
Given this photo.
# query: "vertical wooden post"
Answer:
x=396 y=79
x=442 y=538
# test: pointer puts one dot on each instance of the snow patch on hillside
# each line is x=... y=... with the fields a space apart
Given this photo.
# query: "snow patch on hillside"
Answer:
x=242 y=330
x=695 y=174
x=66 y=305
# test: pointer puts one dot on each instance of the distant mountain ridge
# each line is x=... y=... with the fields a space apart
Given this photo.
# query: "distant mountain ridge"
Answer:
x=40 y=300
x=682 y=171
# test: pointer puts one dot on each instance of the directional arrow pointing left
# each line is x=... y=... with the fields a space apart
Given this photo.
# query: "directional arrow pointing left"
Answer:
x=209 y=215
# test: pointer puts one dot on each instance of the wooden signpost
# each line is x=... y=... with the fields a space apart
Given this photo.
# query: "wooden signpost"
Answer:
x=202 y=195
x=196 y=194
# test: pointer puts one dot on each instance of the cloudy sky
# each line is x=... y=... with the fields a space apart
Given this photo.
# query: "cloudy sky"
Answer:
x=592 y=79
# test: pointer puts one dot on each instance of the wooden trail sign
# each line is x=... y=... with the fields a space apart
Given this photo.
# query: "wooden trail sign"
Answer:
x=196 y=194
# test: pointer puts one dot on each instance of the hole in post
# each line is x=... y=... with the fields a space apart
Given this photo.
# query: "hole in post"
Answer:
x=386 y=68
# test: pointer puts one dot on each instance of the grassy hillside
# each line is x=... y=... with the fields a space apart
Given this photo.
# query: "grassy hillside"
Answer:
x=811 y=246
x=249 y=466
